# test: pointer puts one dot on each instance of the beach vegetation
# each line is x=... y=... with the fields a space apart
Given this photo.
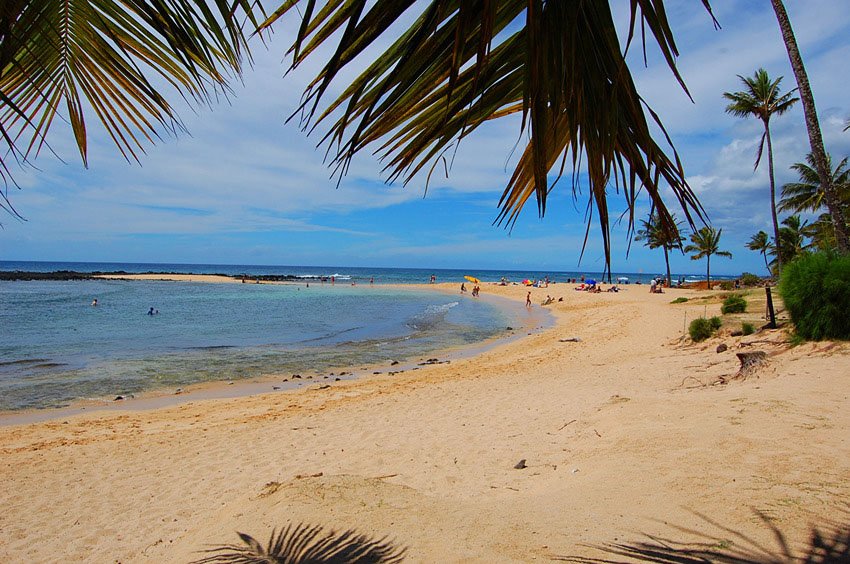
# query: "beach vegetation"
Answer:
x=750 y=279
x=831 y=197
x=807 y=196
x=445 y=75
x=704 y=243
x=734 y=304
x=679 y=300
x=815 y=289
x=700 y=329
x=305 y=543
x=760 y=242
x=761 y=98
x=792 y=239
x=747 y=328
x=655 y=235
x=715 y=323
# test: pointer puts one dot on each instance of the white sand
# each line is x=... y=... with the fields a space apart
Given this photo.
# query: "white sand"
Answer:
x=619 y=437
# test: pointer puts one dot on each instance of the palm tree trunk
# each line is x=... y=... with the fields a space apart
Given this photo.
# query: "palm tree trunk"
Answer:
x=772 y=193
x=667 y=262
x=813 y=127
x=708 y=272
x=766 y=264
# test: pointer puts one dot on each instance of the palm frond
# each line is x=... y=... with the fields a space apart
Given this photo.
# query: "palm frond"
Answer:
x=304 y=544
x=459 y=65
x=71 y=57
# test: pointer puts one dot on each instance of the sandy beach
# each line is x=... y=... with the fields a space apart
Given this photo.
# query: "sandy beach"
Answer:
x=625 y=432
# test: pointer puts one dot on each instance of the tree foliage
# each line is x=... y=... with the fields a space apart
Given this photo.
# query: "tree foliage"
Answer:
x=560 y=65
x=704 y=243
x=99 y=56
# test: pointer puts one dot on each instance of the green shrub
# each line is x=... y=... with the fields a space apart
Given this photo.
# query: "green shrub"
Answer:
x=700 y=329
x=734 y=304
x=816 y=291
x=747 y=328
x=715 y=323
x=749 y=279
x=679 y=300
x=727 y=285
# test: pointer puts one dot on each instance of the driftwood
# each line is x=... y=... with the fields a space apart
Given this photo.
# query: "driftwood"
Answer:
x=750 y=362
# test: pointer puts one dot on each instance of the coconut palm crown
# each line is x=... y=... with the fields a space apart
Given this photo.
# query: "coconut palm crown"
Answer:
x=762 y=99
x=760 y=242
x=654 y=236
x=807 y=195
x=704 y=243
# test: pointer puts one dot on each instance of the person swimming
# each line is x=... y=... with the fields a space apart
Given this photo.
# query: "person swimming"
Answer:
x=153 y=311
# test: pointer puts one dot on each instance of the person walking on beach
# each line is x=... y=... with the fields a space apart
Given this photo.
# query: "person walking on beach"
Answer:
x=528 y=300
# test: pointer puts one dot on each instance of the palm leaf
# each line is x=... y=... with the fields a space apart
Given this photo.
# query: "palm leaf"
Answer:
x=458 y=66
x=97 y=55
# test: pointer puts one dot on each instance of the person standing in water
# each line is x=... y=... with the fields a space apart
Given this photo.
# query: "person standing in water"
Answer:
x=528 y=300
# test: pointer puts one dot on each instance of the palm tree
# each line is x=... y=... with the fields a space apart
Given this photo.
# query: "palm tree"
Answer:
x=807 y=195
x=560 y=65
x=760 y=242
x=706 y=242
x=762 y=99
x=833 y=204
x=655 y=236
x=792 y=238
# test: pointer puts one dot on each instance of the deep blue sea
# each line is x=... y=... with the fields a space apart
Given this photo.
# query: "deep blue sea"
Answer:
x=57 y=348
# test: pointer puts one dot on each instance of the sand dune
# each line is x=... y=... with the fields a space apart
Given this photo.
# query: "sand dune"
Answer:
x=622 y=433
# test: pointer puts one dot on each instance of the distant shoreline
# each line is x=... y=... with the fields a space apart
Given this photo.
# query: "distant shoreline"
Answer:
x=60 y=275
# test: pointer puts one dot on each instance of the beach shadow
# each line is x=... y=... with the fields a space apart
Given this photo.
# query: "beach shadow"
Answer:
x=828 y=544
x=305 y=544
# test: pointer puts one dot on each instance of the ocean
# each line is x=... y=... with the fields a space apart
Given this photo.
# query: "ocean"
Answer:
x=58 y=349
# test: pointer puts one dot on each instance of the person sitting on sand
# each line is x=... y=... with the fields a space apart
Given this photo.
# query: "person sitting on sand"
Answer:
x=549 y=299
x=462 y=288
x=475 y=291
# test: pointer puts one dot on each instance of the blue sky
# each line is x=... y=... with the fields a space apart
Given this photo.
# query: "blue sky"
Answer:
x=243 y=187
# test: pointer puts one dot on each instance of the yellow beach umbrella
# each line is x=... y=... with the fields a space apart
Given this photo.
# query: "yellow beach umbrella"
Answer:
x=473 y=279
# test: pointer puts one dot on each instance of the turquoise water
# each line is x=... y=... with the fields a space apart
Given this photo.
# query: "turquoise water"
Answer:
x=57 y=348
